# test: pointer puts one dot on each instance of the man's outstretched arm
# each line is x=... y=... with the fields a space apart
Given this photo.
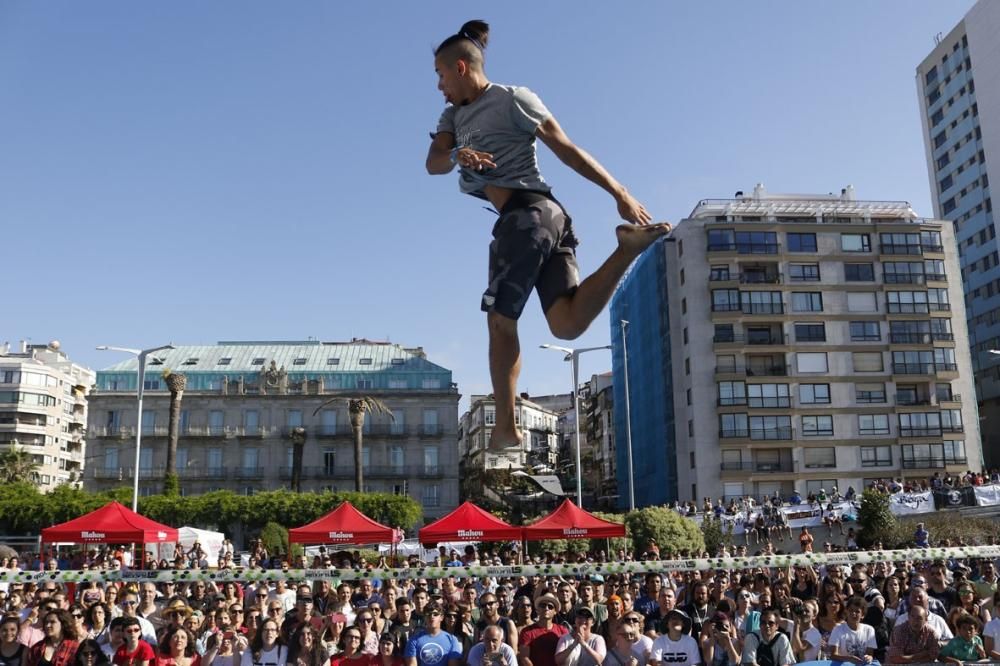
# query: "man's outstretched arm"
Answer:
x=552 y=135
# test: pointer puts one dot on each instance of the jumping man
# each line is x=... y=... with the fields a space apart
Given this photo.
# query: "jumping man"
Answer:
x=489 y=131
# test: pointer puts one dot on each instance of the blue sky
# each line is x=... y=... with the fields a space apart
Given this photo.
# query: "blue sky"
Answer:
x=194 y=172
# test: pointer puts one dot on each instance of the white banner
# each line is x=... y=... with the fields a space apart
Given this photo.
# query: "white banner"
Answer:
x=803 y=515
x=908 y=504
x=987 y=495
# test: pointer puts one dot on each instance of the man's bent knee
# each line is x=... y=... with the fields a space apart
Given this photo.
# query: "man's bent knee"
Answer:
x=501 y=325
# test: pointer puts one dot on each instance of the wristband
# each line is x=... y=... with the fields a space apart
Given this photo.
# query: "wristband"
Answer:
x=453 y=155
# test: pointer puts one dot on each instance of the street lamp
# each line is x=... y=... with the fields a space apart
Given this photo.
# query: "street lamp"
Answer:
x=573 y=355
x=628 y=421
x=141 y=354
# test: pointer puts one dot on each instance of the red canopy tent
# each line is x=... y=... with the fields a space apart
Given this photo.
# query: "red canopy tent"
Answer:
x=112 y=523
x=345 y=524
x=571 y=522
x=469 y=523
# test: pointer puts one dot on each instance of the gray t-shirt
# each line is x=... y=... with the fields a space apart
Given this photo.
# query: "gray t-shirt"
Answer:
x=502 y=122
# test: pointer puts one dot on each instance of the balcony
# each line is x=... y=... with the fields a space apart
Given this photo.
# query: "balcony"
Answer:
x=784 y=432
x=910 y=338
x=763 y=308
x=939 y=307
x=943 y=337
x=734 y=433
x=731 y=402
x=767 y=371
x=203 y=431
x=769 y=403
x=920 y=431
x=431 y=430
x=889 y=248
x=331 y=431
x=903 y=278
x=242 y=472
x=112 y=431
x=932 y=463
x=956 y=397
x=909 y=400
x=907 y=308
x=927 y=247
x=936 y=277
x=759 y=466
x=913 y=368
x=726 y=307
x=760 y=278
x=749 y=339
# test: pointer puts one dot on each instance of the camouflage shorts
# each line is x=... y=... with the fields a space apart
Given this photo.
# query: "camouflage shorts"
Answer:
x=533 y=248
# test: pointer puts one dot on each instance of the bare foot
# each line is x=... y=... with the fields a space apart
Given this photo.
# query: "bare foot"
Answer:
x=633 y=239
x=501 y=440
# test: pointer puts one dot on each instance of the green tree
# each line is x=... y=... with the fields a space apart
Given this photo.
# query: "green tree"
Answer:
x=671 y=532
x=617 y=543
x=357 y=408
x=17 y=464
x=717 y=534
x=875 y=520
x=274 y=537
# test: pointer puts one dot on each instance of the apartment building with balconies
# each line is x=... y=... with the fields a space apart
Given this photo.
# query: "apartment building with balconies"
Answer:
x=818 y=341
x=43 y=410
x=245 y=401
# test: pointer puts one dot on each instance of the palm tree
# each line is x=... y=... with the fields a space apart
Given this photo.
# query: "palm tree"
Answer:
x=176 y=383
x=298 y=436
x=16 y=464
x=357 y=408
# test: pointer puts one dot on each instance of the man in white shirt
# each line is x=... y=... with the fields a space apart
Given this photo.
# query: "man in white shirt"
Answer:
x=492 y=651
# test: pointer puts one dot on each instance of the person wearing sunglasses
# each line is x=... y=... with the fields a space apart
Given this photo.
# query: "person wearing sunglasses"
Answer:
x=352 y=655
x=433 y=646
x=134 y=650
x=89 y=653
x=768 y=646
x=130 y=607
x=538 y=641
x=490 y=616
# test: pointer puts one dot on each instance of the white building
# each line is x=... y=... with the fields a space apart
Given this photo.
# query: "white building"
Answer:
x=538 y=449
x=43 y=409
x=816 y=341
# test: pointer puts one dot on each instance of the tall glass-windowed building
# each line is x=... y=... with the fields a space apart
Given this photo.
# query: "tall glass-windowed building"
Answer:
x=958 y=86
x=641 y=300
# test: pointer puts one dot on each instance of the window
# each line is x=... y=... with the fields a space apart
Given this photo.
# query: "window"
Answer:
x=257 y=361
x=213 y=460
x=814 y=394
x=756 y=242
x=873 y=424
x=807 y=301
x=867 y=361
x=861 y=301
x=732 y=393
x=430 y=423
x=333 y=361
x=293 y=418
x=855 y=243
x=768 y=395
x=900 y=243
x=954 y=452
x=225 y=361
x=865 y=331
x=810 y=332
x=907 y=302
x=299 y=361
x=365 y=384
x=801 y=242
x=876 y=456
x=920 y=424
x=770 y=427
x=111 y=458
x=817 y=426
x=733 y=425
x=762 y=302
x=811 y=362
x=431 y=496
x=725 y=300
x=824 y=457
x=251 y=422
x=803 y=272
x=364 y=361
x=216 y=422
x=859 y=273
x=431 y=460
x=721 y=240
x=719 y=273
x=190 y=361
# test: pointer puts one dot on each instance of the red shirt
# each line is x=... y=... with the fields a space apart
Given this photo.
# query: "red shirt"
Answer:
x=166 y=660
x=541 y=643
x=359 y=660
x=142 y=653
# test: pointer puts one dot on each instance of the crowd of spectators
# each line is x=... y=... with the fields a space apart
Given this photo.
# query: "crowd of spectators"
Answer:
x=907 y=612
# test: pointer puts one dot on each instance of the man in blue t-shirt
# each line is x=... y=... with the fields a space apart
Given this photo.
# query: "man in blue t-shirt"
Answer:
x=433 y=646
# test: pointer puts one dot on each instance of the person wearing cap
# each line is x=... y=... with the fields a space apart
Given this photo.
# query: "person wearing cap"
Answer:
x=720 y=646
x=433 y=646
x=616 y=609
x=295 y=622
x=677 y=646
x=492 y=650
x=537 y=643
x=581 y=647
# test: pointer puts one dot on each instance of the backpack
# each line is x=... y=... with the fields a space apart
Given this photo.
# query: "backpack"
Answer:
x=765 y=651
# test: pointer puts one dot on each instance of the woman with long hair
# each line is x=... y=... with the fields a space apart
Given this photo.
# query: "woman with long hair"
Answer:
x=311 y=652
x=804 y=583
x=968 y=602
x=79 y=615
x=111 y=593
x=177 y=648
x=267 y=647
x=12 y=651
x=387 y=654
x=89 y=653
x=59 y=645
x=352 y=655
x=369 y=639
x=379 y=626
x=98 y=618
x=892 y=593
x=831 y=613
x=223 y=649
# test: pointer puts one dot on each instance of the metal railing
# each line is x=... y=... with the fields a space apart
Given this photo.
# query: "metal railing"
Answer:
x=760 y=278
x=910 y=338
x=749 y=339
x=892 y=248
x=758 y=466
x=932 y=463
x=913 y=368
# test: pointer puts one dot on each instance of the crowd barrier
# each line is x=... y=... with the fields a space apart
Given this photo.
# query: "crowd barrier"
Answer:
x=565 y=570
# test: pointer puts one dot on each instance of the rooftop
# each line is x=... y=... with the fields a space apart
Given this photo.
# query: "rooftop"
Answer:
x=764 y=204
